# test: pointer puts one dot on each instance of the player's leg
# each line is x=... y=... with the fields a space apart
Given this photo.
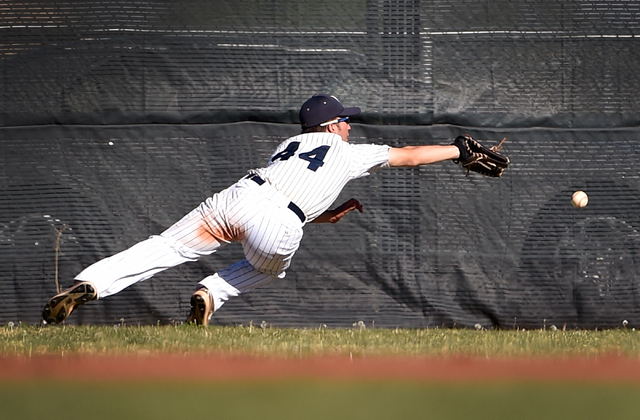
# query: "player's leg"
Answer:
x=216 y=289
x=113 y=274
x=272 y=236
x=187 y=240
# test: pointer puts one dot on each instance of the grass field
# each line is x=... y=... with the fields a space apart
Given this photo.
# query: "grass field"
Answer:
x=78 y=395
x=23 y=340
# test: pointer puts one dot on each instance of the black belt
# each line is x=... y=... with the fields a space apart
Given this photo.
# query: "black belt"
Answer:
x=255 y=178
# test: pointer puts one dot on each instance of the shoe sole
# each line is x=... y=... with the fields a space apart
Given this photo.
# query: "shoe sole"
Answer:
x=199 y=312
x=60 y=306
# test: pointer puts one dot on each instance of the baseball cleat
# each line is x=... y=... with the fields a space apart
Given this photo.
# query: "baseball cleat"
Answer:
x=201 y=308
x=61 y=305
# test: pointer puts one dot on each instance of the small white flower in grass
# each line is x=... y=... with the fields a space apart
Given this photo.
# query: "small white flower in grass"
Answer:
x=625 y=323
x=10 y=325
x=478 y=327
x=263 y=325
x=553 y=328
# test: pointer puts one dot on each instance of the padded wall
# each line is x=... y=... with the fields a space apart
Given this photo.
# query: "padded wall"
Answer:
x=116 y=118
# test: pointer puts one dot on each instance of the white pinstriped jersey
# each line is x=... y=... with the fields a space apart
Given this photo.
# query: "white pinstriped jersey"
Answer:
x=312 y=169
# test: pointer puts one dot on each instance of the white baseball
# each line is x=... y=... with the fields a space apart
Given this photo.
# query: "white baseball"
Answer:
x=579 y=199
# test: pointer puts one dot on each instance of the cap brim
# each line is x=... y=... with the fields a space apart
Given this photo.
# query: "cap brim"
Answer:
x=348 y=112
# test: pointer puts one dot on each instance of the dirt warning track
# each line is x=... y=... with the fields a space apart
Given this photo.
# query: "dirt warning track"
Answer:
x=223 y=368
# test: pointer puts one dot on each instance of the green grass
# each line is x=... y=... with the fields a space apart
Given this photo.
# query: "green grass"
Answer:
x=294 y=342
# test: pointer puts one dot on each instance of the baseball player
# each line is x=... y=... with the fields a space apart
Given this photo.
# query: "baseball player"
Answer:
x=265 y=211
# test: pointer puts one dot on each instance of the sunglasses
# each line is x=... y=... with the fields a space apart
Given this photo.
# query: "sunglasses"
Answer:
x=336 y=121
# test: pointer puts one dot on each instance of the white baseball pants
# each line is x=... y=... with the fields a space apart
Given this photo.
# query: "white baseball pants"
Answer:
x=254 y=215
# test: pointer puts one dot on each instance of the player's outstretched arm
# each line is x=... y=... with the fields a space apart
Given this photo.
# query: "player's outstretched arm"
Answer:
x=410 y=156
x=333 y=216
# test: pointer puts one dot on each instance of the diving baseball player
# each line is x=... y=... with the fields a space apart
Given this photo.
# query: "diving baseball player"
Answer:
x=264 y=211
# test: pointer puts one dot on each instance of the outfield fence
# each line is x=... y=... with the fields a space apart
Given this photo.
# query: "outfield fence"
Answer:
x=118 y=117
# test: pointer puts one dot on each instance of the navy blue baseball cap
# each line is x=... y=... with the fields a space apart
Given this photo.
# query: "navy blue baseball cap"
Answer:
x=323 y=108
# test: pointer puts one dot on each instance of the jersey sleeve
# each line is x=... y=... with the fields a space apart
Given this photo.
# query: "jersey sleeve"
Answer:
x=368 y=158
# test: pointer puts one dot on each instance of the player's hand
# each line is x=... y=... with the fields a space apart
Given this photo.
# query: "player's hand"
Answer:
x=342 y=210
x=333 y=216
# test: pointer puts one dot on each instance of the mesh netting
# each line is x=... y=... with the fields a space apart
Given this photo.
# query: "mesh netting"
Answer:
x=116 y=118
x=496 y=63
